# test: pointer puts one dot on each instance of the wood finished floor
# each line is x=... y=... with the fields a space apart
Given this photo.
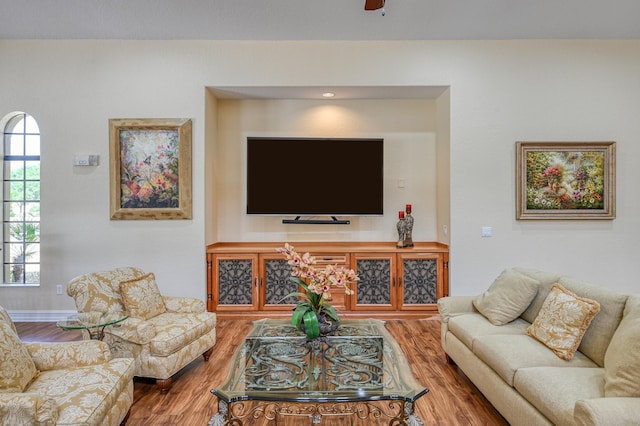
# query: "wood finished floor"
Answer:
x=452 y=399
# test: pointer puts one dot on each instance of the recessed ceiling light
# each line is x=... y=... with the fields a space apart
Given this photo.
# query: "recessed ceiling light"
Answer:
x=328 y=94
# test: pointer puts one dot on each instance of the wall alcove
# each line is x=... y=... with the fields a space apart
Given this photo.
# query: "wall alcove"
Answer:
x=413 y=120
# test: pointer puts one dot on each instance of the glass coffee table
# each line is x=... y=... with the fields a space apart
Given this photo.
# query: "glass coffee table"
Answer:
x=93 y=322
x=356 y=376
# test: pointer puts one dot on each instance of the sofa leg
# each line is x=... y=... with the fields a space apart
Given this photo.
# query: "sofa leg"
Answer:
x=208 y=353
x=449 y=360
x=164 y=384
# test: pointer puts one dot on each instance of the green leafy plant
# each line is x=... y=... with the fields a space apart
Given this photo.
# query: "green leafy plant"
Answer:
x=317 y=284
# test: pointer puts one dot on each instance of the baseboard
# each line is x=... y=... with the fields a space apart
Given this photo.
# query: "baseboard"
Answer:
x=38 y=316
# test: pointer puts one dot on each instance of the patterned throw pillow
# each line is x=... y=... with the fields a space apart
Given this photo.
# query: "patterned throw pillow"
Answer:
x=508 y=297
x=17 y=368
x=141 y=297
x=563 y=320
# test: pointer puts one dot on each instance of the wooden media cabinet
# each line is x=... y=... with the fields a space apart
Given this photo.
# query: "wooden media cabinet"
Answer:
x=251 y=280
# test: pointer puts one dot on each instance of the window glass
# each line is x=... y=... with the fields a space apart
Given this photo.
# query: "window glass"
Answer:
x=21 y=200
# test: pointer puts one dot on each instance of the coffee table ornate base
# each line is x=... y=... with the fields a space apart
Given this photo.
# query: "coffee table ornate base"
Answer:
x=396 y=413
x=358 y=376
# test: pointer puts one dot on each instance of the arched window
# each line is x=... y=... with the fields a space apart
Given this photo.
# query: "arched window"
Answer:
x=21 y=200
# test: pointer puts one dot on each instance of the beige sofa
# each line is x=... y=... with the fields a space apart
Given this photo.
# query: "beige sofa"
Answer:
x=497 y=338
x=72 y=383
x=163 y=333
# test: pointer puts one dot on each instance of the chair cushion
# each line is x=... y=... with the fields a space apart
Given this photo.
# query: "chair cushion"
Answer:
x=17 y=369
x=508 y=297
x=85 y=395
x=100 y=291
x=621 y=362
x=176 y=330
x=563 y=320
x=141 y=297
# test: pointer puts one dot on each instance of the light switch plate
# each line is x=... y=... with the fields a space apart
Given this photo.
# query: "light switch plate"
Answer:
x=85 y=160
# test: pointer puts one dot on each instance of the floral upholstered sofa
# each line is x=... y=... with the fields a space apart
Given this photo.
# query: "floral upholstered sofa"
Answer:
x=163 y=333
x=71 y=383
x=547 y=349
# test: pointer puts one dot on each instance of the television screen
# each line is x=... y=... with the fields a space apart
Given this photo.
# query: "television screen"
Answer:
x=308 y=176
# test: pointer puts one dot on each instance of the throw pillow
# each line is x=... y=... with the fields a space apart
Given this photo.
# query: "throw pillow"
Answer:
x=563 y=320
x=17 y=369
x=141 y=297
x=508 y=297
x=621 y=361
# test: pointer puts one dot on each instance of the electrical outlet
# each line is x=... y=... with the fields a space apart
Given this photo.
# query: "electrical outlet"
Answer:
x=59 y=289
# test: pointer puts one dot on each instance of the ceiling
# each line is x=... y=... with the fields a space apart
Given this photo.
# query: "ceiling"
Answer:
x=319 y=20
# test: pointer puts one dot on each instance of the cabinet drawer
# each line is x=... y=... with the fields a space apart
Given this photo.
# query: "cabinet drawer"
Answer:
x=332 y=259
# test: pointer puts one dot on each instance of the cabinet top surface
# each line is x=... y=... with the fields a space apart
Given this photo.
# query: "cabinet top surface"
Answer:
x=326 y=247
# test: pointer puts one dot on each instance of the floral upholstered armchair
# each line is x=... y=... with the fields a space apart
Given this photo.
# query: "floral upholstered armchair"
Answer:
x=163 y=333
x=70 y=383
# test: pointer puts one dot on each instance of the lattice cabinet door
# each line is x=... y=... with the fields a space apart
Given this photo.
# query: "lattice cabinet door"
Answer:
x=235 y=281
x=421 y=278
x=275 y=283
x=376 y=288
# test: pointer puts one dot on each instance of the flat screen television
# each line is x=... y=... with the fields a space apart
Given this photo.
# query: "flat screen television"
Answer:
x=314 y=176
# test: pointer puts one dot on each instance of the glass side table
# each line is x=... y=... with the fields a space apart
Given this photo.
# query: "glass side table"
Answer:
x=93 y=322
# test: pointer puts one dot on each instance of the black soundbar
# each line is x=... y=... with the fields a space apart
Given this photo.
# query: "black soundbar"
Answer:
x=332 y=221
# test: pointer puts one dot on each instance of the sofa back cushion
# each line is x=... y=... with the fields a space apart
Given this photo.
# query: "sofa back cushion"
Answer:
x=100 y=291
x=545 y=281
x=597 y=337
x=17 y=369
x=621 y=361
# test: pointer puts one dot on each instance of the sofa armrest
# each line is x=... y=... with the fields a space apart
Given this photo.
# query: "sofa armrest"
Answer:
x=451 y=306
x=183 y=304
x=57 y=355
x=27 y=409
x=135 y=330
x=607 y=411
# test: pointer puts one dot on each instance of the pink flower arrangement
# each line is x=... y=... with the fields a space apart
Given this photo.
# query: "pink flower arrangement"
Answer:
x=317 y=283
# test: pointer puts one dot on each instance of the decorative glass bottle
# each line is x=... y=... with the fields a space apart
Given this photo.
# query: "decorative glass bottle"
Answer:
x=401 y=226
x=408 y=227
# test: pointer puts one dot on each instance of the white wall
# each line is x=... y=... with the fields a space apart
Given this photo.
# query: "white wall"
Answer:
x=501 y=92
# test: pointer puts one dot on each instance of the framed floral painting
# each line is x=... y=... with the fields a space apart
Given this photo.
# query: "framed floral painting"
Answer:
x=565 y=180
x=150 y=168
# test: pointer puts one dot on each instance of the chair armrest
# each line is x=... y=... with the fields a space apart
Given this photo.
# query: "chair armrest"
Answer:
x=133 y=330
x=607 y=411
x=27 y=409
x=452 y=306
x=183 y=304
x=57 y=355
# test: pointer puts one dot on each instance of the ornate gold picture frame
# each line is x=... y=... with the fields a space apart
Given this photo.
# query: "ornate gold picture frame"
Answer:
x=150 y=168
x=565 y=180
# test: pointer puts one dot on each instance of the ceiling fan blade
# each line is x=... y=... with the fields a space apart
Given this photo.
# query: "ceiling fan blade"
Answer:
x=373 y=4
